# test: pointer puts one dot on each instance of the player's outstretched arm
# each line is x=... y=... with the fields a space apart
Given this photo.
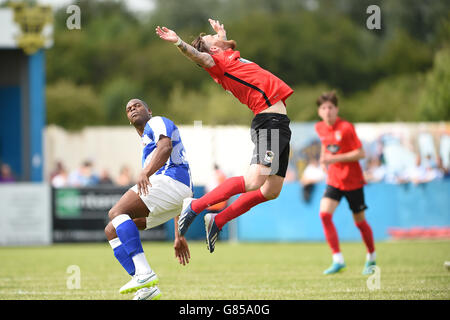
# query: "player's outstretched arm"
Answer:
x=201 y=58
x=218 y=28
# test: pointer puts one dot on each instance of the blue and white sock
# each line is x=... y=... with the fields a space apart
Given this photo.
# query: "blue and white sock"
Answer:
x=122 y=256
x=128 y=234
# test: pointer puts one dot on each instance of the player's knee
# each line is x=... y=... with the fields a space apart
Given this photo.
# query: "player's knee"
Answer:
x=109 y=231
x=252 y=185
x=112 y=214
x=271 y=194
x=326 y=217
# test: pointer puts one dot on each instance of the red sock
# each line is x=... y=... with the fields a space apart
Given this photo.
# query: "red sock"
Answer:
x=330 y=231
x=367 y=235
x=242 y=204
x=222 y=192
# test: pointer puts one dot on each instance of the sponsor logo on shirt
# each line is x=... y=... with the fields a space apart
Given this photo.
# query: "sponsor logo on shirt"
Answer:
x=333 y=148
x=338 y=135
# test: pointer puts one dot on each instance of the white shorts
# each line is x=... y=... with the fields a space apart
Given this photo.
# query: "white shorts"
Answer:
x=164 y=199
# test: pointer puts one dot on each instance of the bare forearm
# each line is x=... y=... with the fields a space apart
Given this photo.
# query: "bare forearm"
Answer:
x=159 y=159
x=201 y=58
x=351 y=156
x=175 y=220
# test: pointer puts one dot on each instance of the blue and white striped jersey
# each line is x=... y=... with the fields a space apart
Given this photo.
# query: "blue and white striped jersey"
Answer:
x=176 y=166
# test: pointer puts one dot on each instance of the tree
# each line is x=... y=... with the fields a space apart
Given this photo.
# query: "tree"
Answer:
x=435 y=104
x=73 y=107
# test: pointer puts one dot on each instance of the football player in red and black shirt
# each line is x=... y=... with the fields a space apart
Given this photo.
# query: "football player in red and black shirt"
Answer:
x=265 y=95
x=340 y=152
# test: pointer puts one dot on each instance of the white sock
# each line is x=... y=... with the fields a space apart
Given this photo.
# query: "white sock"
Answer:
x=338 y=258
x=119 y=219
x=371 y=256
x=141 y=264
x=115 y=243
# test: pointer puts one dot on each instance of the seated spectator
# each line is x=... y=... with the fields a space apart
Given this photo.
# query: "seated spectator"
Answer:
x=124 y=178
x=376 y=171
x=58 y=169
x=83 y=176
x=422 y=171
x=6 y=174
x=105 y=178
x=312 y=174
x=445 y=171
x=60 y=179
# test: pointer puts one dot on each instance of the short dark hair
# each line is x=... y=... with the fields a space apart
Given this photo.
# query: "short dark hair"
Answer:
x=327 y=96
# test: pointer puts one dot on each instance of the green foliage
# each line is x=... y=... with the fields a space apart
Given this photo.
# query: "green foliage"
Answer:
x=311 y=45
x=435 y=105
x=73 y=107
x=211 y=105
x=115 y=96
x=392 y=99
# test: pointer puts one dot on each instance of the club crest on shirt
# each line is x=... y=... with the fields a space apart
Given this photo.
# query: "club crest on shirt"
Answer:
x=146 y=140
x=338 y=135
x=333 y=148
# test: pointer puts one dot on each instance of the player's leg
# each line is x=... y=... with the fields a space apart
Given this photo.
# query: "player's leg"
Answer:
x=252 y=180
x=358 y=207
x=268 y=172
x=328 y=205
x=215 y=222
x=119 y=251
x=127 y=243
x=268 y=191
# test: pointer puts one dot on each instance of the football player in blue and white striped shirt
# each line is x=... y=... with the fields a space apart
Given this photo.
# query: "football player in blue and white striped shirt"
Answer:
x=157 y=197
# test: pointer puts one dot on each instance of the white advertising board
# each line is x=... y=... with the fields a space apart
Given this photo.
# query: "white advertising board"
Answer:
x=25 y=214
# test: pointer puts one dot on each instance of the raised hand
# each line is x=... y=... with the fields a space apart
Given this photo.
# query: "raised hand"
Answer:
x=166 y=34
x=218 y=28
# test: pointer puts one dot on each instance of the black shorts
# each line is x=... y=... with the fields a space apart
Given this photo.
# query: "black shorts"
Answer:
x=271 y=135
x=355 y=198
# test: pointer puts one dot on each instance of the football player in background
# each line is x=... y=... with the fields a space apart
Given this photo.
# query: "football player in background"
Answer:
x=340 y=152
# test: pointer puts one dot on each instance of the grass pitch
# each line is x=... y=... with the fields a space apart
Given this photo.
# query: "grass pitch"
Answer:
x=242 y=271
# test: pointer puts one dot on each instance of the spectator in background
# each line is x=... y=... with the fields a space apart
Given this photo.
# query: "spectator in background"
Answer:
x=84 y=176
x=105 y=178
x=59 y=168
x=423 y=171
x=375 y=171
x=445 y=171
x=312 y=174
x=6 y=174
x=60 y=179
x=124 y=178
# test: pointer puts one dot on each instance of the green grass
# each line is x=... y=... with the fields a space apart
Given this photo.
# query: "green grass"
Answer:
x=277 y=271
